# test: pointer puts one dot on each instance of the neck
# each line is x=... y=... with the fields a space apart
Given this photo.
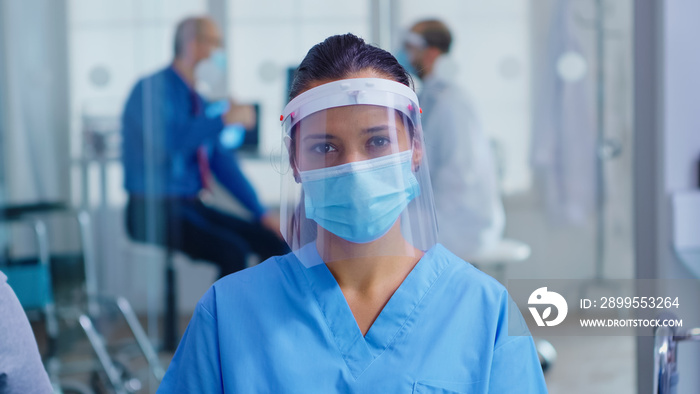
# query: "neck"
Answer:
x=185 y=68
x=363 y=267
x=442 y=68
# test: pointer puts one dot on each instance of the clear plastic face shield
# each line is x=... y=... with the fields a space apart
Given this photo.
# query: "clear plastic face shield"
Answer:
x=355 y=177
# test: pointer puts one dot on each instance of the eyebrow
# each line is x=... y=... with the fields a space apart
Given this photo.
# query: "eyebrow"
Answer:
x=320 y=136
x=376 y=129
x=324 y=136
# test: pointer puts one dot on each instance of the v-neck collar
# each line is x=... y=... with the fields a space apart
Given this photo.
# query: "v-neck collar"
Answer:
x=396 y=318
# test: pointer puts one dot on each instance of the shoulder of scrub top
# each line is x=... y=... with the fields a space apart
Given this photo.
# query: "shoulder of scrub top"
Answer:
x=475 y=287
x=469 y=275
x=263 y=283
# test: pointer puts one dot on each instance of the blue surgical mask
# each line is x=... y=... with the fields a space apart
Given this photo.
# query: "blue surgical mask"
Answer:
x=210 y=75
x=218 y=58
x=360 y=201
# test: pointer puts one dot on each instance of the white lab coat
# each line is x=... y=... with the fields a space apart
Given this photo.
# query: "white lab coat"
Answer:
x=468 y=205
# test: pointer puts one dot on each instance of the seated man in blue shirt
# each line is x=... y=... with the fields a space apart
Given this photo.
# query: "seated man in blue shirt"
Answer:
x=171 y=141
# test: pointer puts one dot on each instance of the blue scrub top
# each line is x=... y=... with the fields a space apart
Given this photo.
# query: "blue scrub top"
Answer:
x=279 y=327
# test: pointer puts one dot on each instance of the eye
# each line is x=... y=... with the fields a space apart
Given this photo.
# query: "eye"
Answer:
x=323 y=148
x=378 y=142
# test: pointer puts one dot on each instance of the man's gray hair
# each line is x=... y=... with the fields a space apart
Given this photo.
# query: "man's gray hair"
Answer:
x=188 y=29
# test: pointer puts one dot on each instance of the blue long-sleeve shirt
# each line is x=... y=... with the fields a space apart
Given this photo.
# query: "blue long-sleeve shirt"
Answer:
x=163 y=126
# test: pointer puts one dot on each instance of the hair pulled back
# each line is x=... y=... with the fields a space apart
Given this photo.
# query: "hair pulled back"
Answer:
x=341 y=56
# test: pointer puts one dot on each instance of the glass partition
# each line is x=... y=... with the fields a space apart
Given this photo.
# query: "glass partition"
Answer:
x=549 y=82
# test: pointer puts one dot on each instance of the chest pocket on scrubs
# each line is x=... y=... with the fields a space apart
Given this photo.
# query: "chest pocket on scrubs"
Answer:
x=447 y=387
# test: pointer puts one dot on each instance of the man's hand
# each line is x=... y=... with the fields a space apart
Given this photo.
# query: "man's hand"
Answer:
x=237 y=113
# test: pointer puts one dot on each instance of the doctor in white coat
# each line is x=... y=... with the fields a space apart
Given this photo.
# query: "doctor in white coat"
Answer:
x=469 y=209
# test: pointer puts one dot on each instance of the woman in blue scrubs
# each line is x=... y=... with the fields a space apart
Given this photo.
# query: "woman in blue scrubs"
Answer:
x=367 y=302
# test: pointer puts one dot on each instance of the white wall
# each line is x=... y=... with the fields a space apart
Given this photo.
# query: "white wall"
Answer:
x=35 y=84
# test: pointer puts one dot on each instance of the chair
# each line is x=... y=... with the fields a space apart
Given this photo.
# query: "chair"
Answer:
x=31 y=281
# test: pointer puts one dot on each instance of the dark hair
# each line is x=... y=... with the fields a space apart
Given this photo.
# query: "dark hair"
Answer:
x=435 y=33
x=338 y=57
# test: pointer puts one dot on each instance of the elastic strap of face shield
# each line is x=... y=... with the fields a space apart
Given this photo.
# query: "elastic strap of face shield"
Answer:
x=414 y=40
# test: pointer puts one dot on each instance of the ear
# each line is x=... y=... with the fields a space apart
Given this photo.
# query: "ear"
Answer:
x=417 y=158
x=292 y=158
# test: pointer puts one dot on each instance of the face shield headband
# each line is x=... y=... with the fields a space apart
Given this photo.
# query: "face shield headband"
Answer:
x=354 y=91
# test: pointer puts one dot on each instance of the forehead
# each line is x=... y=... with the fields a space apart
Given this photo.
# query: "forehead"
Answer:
x=352 y=116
